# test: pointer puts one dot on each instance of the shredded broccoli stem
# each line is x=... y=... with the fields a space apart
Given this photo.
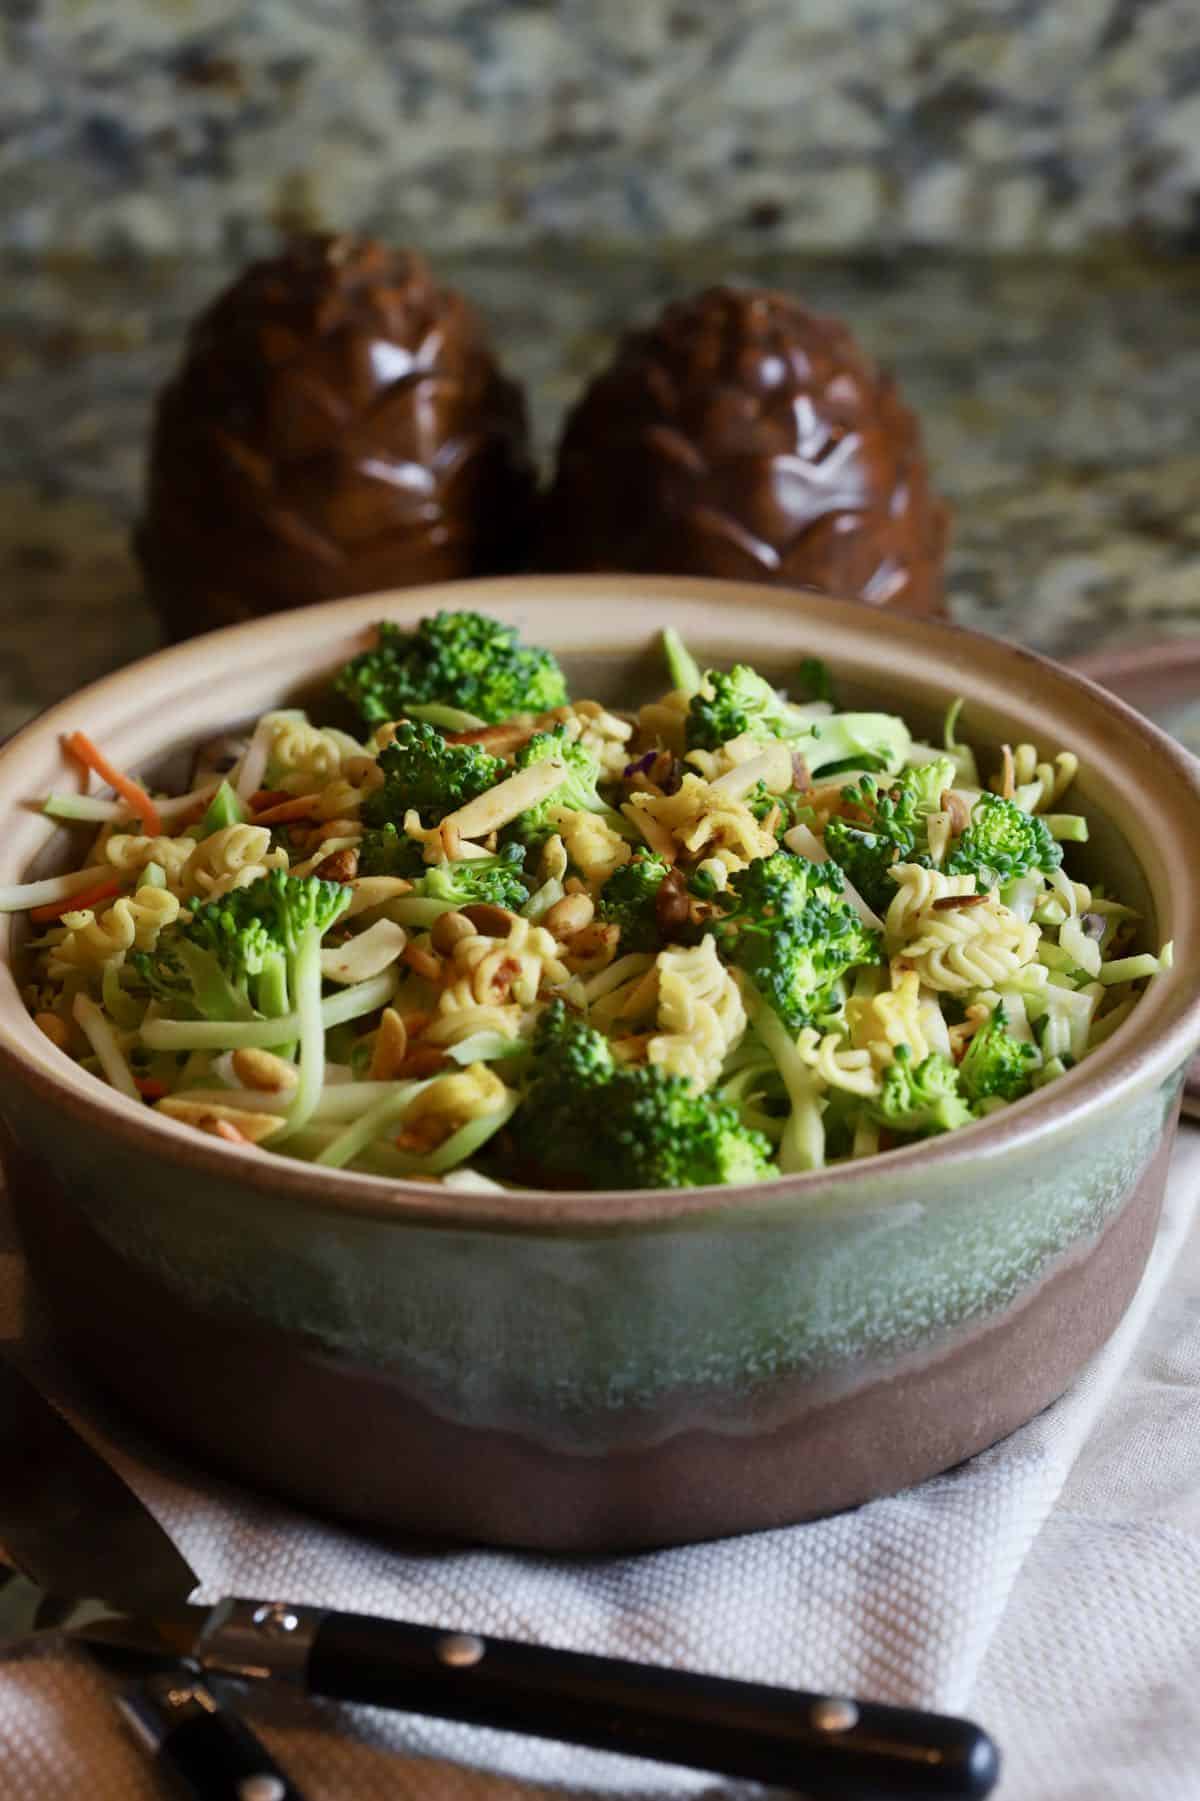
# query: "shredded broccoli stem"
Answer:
x=368 y=1125
x=1067 y=828
x=100 y=1035
x=802 y=1145
x=948 y=730
x=461 y=1144
x=684 y=670
x=53 y=888
x=311 y=1034
x=83 y=806
x=1135 y=969
x=446 y=718
x=265 y=1034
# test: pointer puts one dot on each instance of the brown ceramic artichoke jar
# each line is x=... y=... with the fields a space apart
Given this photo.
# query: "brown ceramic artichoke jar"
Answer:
x=743 y=436
x=339 y=424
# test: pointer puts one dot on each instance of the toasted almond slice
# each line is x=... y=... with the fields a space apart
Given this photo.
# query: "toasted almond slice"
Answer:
x=498 y=805
x=653 y=830
x=366 y=955
x=372 y=890
x=772 y=766
x=204 y=1115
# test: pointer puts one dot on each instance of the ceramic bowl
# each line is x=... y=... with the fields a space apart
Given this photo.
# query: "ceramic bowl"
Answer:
x=610 y=1369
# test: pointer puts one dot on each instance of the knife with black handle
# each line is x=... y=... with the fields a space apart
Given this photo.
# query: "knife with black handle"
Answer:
x=826 y=1745
x=74 y=1527
x=207 y=1751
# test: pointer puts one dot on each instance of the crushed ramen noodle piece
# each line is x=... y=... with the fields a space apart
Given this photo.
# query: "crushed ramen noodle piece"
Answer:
x=131 y=923
x=485 y=972
x=698 y=821
x=231 y=857
x=591 y=844
x=879 y=1023
x=701 y=1017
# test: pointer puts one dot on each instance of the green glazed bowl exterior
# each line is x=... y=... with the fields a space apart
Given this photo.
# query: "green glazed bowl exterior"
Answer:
x=597 y=1370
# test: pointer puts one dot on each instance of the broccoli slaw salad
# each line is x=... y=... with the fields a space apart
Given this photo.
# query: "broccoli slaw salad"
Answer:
x=493 y=936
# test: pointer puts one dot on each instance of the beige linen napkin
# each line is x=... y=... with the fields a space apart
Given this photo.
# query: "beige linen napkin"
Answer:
x=1055 y=1595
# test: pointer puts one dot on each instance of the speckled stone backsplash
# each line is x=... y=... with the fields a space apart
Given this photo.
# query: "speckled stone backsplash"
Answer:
x=158 y=126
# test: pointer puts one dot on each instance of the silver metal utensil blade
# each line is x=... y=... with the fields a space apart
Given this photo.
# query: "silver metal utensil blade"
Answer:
x=69 y=1522
x=139 y=1646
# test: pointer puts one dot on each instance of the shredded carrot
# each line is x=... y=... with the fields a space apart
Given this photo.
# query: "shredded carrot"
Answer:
x=150 y=1088
x=268 y=797
x=225 y=1128
x=75 y=903
x=302 y=807
x=131 y=792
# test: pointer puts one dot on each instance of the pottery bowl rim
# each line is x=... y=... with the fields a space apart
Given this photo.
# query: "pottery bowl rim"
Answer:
x=1162 y=1031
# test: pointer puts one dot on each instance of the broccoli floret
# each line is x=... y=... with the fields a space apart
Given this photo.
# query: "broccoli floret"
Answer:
x=569 y=1056
x=239 y=954
x=577 y=791
x=189 y=982
x=661 y=1132
x=421 y=770
x=996 y=1063
x=496 y=879
x=787 y=924
x=918 y=1100
x=601 y=1125
x=893 y=828
x=1002 y=842
x=465 y=659
x=739 y=701
x=628 y=899
x=386 y=850
x=731 y=702
x=792 y=807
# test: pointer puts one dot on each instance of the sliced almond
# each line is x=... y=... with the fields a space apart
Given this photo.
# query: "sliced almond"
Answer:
x=499 y=740
x=503 y=802
x=366 y=955
x=204 y=1115
x=773 y=766
x=373 y=890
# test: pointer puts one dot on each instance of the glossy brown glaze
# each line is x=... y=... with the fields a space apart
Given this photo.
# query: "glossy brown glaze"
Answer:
x=743 y=436
x=338 y=424
x=272 y=1409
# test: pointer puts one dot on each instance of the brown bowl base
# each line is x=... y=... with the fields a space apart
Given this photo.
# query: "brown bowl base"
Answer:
x=274 y=1410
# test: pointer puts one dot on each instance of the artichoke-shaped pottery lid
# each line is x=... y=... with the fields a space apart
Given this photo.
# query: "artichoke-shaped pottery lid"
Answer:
x=742 y=435
x=338 y=423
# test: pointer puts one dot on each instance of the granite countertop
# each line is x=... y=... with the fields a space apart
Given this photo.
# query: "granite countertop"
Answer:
x=1061 y=402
